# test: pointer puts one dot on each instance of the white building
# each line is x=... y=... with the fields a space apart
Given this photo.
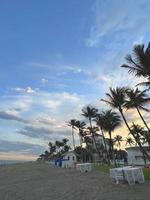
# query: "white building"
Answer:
x=135 y=156
x=69 y=160
x=99 y=142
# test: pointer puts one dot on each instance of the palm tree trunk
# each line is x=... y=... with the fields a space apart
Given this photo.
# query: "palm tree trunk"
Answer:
x=140 y=146
x=73 y=139
x=94 y=139
x=143 y=119
x=110 y=145
x=108 y=159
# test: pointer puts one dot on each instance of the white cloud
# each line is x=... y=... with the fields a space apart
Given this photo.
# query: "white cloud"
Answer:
x=44 y=81
x=28 y=90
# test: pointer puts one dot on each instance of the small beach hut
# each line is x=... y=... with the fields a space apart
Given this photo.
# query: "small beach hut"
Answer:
x=69 y=160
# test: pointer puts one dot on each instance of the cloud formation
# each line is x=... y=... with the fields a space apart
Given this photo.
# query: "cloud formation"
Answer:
x=8 y=115
x=24 y=148
x=119 y=20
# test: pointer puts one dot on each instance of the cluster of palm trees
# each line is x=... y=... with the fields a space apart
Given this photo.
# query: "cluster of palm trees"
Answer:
x=120 y=99
x=106 y=121
x=56 y=149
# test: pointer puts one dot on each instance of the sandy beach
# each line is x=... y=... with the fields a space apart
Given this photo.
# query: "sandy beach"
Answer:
x=34 y=181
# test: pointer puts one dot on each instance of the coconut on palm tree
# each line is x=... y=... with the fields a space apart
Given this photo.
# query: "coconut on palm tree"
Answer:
x=137 y=99
x=139 y=63
x=72 y=124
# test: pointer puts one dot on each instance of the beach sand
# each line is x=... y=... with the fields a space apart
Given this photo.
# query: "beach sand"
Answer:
x=36 y=181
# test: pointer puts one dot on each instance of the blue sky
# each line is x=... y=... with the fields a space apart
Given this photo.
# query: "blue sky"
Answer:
x=56 y=57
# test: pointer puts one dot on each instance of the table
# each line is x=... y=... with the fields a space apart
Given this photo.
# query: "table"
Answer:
x=84 y=167
x=129 y=174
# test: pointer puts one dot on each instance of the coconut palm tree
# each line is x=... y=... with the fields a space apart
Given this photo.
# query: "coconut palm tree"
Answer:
x=137 y=99
x=111 y=120
x=117 y=99
x=72 y=123
x=137 y=132
x=139 y=63
x=129 y=141
x=90 y=113
x=81 y=126
x=117 y=140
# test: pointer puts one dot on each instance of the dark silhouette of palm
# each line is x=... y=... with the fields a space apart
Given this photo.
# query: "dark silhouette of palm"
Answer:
x=117 y=140
x=137 y=99
x=72 y=123
x=130 y=141
x=117 y=99
x=111 y=120
x=90 y=113
x=139 y=63
x=137 y=132
x=81 y=126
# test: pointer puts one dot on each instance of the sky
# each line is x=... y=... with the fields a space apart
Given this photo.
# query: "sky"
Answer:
x=57 y=57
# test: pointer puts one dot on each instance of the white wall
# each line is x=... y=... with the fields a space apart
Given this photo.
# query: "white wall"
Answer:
x=135 y=156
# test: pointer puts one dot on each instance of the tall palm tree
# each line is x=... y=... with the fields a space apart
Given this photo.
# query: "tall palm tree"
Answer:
x=117 y=140
x=80 y=125
x=117 y=99
x=139 y=63
x=111 y=120
x=72 y=123
x=90 y=113
x=137 y=132
x=137 y=99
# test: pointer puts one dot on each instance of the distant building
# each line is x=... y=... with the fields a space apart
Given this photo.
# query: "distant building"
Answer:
x=100 y=145
x=69 y=160
x=135 y=156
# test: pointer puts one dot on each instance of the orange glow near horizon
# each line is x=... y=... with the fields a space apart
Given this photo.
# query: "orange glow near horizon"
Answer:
x=16 y=156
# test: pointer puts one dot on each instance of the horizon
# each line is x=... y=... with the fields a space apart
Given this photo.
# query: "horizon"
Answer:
x=56 y=58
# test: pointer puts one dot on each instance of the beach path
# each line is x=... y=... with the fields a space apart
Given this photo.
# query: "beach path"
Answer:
x=34 y=181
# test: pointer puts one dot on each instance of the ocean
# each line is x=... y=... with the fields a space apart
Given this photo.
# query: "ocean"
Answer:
x=8 y=162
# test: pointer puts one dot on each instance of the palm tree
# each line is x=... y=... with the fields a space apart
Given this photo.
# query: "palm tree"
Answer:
x=129 y=141
x=117 y=99
x=117 y=140
x=80 y=125
x=136 y=99
x=111 y=120
x=139 y=63
x=90 y=113
x=146 y=137
x=137 y=132
x=72 y=123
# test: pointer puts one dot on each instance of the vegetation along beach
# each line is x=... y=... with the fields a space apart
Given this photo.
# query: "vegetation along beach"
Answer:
x=75 y=100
